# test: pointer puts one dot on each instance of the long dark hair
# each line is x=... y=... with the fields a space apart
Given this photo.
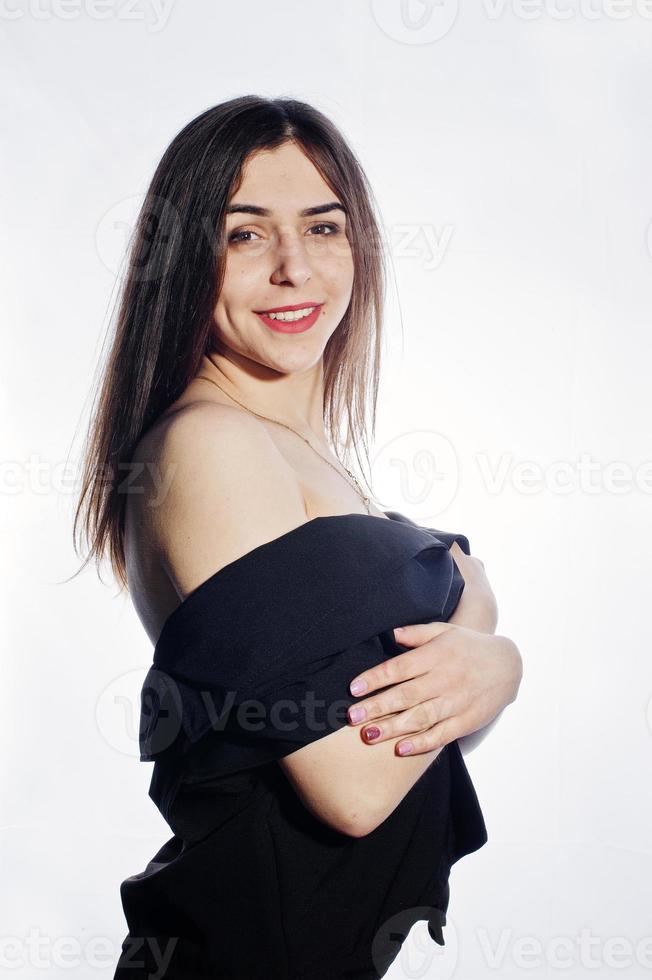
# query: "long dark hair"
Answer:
x=174 y=275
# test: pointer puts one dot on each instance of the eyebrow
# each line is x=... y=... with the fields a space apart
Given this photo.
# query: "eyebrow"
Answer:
x=266 y=213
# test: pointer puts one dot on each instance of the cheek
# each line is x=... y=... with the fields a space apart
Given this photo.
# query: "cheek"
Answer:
x=337 y=267
x=342 y=275
x=238 y=273
x=240 y=287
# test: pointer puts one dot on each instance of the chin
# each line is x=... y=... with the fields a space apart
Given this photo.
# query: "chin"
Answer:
x=296 y=363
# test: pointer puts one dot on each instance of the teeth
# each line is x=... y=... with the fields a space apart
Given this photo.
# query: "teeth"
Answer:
x=290 y=315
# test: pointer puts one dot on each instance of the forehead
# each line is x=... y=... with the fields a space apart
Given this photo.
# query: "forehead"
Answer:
x=283 y=177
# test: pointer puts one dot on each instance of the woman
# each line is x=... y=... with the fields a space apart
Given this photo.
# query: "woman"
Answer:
x=248 y=336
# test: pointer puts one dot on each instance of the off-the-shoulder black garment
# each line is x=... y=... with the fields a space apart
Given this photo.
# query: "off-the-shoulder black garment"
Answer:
x=252 y=886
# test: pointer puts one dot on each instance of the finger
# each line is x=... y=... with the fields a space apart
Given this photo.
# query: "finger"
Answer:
x=420 y=633
x=402 y=667
x=461 y=556
x=416 y=719
x=456 y=551
x=435 y=738
x=470 y=566
x=398 y=697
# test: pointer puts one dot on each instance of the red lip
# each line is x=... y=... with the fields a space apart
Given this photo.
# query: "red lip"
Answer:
x=285 y=309
x=292 y=326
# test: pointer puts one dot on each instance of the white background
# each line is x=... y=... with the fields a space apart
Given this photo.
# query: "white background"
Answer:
x=510 y=150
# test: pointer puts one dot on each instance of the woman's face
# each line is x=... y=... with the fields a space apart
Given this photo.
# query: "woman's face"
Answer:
x=283 y=258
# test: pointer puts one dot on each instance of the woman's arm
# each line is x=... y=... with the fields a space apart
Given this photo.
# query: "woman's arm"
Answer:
x=477 y=609
x=228 y=490
x=458 y=686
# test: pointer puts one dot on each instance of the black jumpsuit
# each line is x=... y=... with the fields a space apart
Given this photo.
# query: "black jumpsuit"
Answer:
x=253 y=664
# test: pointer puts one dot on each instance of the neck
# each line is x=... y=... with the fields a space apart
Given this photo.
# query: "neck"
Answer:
x=294 y=399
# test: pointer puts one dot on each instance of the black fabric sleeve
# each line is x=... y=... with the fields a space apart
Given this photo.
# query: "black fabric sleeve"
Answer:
x=257 y=661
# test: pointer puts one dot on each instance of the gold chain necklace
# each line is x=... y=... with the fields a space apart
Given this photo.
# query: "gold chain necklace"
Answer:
x=354 y=484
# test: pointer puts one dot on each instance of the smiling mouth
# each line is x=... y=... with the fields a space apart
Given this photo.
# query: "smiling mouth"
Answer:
x=290 y=315
x=291 y=321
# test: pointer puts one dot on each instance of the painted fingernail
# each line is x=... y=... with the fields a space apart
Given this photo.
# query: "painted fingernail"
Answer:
x=358 y=687
x=405 y=748
x=372 y=733
x=356 y=714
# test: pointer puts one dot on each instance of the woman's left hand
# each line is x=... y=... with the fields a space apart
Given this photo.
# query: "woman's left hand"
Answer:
x=455 y=681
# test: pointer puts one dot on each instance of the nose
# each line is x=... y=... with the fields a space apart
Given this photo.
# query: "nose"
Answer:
x=290 y=260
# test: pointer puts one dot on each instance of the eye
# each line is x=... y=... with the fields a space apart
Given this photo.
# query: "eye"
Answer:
x=333 y=228
x=235 y=236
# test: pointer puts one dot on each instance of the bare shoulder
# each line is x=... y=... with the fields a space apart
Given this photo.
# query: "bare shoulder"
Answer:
x=222 y=489
x=217 y=488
